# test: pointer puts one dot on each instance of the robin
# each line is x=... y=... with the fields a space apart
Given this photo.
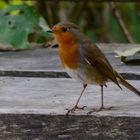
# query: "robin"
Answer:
x=84 y=61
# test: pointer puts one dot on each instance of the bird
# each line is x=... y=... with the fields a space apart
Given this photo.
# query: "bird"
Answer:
x=84 y=61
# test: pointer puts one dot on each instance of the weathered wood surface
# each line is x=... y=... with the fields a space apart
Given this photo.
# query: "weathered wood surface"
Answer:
x=54 y=95
x=33 y=107
x=46 y=127
x=46 y=63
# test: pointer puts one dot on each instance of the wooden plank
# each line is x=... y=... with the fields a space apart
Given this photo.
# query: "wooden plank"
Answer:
x=46 y=63
x=45 y=127
x=34 y=108
x=54 y=95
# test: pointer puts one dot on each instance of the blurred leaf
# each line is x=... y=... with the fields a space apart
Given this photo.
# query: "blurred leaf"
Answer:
x=3 y=4
x=127 y=53
x=16 y=28
x=43 y=24
x=17 y=2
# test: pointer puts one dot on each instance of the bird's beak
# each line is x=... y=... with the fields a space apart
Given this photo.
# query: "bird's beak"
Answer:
x=50 y=31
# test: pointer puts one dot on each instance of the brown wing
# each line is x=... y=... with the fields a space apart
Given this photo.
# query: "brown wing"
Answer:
x=98 y=60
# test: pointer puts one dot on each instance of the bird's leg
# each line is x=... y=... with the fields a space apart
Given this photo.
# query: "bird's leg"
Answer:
x=102 y=103
x=102 y=99
x=76 y=105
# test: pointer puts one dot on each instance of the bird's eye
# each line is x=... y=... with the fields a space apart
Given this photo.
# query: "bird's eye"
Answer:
x=64 y=29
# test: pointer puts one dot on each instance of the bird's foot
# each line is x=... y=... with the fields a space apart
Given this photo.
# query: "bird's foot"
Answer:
x=102 y=108
x=71 y=110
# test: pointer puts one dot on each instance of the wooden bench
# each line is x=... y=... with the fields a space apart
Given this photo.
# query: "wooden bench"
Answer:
x=35 y=92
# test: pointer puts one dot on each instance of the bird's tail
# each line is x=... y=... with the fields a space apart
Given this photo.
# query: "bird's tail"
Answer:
x=122 y=81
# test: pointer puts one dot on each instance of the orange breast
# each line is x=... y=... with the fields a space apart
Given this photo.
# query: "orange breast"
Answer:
x=68 y=49
x=69 y=55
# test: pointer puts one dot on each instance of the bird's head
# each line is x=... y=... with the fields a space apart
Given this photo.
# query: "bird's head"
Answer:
x=65 y=32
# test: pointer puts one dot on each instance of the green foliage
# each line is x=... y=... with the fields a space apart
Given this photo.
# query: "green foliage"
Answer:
x=18 y=22
x=4 y=3
x=96 y=19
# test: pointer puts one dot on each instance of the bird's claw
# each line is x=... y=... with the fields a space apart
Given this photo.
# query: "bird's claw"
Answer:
x=102 y=108
x=74 y=108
